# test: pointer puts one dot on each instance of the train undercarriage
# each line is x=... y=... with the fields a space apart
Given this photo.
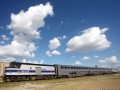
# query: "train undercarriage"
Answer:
x=18 y=78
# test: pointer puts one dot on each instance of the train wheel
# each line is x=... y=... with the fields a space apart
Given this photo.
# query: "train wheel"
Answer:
x=13 y=78
x=5 y=79
x=18 y=78
x=48 y=77
x=45 y=77
x=30 y=77
x=36 y=78
x=23 y=78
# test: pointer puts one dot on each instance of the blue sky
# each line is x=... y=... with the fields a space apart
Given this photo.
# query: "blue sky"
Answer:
x=79 y=32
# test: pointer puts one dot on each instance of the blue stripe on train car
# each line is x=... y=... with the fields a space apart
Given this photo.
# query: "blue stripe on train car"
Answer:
x=29 y=71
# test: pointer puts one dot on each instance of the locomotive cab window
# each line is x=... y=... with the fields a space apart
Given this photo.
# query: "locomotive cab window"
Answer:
x=15 y=65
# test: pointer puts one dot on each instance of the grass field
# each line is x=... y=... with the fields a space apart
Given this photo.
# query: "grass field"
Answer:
x=98 y=82
x=0 y=79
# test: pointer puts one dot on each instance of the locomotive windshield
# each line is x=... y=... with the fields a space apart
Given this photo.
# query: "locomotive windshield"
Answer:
x=15 y=65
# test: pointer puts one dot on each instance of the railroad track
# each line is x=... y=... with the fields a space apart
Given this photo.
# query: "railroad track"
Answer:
x=25 y=81
x=34 y=80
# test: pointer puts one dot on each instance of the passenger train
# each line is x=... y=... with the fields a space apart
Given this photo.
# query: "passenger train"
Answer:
x=17 y=71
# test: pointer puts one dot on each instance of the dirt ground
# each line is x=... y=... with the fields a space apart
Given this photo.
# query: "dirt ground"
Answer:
x=98 y=82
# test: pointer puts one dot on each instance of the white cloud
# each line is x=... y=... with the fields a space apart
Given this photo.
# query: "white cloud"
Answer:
x=48 y=54
x=30 y=20
x=104 y=30
x=104 y=66
x=62 y=37
x=83 y=21
x=2 y=42
x=55 y=52
x=23 y=60
x=7 y=59
x=29 y=61
x=73 y=56
x=113 y=50
x=110 y=60
x=91 y=39
x=24 y=27
x=1 y=27
x=77 y=63
x=19 y=50
x=41 y=62
x=48 y=27
x=36 y=62
x=96 y=56
x=66 y=19
x=58 y=27
x=25 y=24
x=4 y=37
x=62 y=22
x=54 y=43
x=86 y=58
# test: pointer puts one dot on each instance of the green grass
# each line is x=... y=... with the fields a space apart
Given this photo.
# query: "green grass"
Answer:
x=9 y=85
x=0 y=79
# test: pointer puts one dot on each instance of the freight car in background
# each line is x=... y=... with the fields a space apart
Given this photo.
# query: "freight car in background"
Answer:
x=17 y=71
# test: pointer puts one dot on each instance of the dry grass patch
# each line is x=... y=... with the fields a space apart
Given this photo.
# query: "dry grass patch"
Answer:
x=1 y=80
x=98 y=82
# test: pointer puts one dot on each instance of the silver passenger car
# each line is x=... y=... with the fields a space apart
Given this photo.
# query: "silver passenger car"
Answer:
x=71 y=70
x=97 y=70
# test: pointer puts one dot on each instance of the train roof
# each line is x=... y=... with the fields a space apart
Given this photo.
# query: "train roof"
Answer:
x=53 y=65
x=70 y=65
x=30 y=64
x=78 y=66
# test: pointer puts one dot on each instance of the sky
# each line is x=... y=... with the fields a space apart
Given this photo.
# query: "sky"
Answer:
x=74 y=32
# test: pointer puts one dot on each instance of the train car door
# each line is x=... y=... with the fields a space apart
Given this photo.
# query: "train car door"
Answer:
x=38 y=70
